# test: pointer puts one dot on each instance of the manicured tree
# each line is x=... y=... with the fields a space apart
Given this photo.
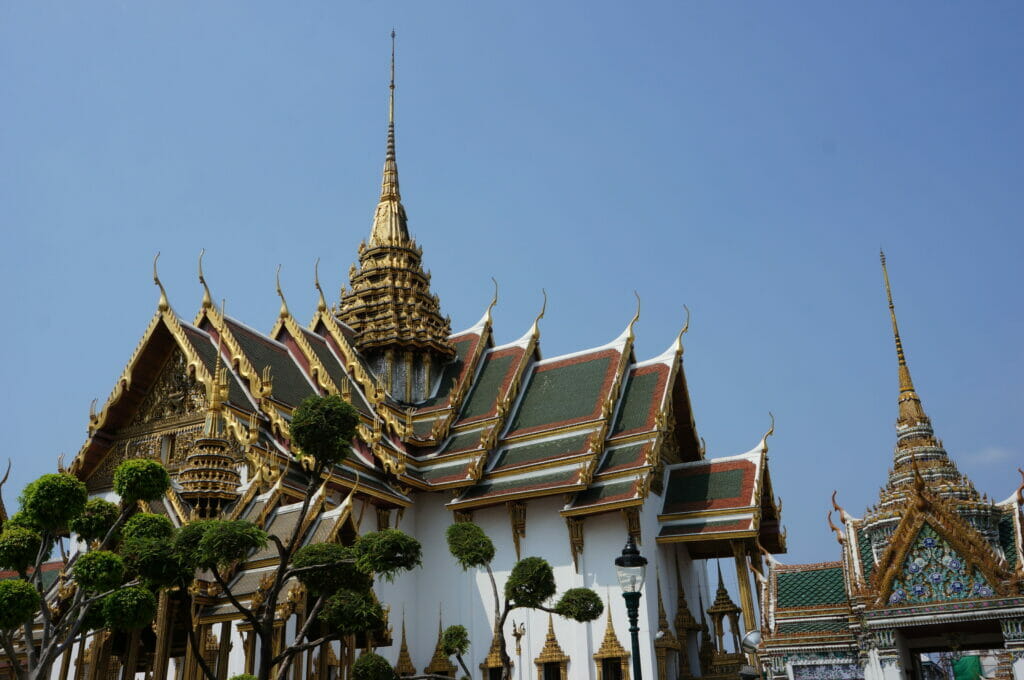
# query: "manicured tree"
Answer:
x=455 y=642
x=102 y=587
x=338 y=578
x=530 y=585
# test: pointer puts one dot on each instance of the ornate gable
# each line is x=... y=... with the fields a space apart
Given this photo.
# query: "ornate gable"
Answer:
x=934 y=572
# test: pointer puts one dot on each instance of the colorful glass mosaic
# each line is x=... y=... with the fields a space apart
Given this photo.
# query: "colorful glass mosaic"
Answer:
x=934 y=572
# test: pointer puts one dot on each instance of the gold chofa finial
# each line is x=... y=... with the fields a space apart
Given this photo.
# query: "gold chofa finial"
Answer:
x=494 y=300
x=544 y=307
x=685 y=329
x=163 y=305
x=636 y=317
x=321 y=304
x=207 y=299
x=284 y=304
x=769 y=433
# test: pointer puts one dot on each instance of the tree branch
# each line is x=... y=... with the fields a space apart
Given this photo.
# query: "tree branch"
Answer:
x=243 y=610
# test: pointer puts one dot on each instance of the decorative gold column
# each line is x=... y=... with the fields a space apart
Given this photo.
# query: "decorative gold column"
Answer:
x=739 y=552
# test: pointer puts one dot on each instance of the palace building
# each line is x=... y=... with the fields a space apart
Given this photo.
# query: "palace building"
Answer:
x=560 y=457
x=929 y=579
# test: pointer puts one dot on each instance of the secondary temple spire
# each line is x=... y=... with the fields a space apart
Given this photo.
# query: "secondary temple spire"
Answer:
x=389 y=220
x=911 y=411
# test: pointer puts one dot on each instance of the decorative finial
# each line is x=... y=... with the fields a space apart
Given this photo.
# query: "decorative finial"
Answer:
x=284 y=304
x=163 y=305
x=391 y=107
x=910 y=409
x=636 y=317
x=321 y=304
x=683 y=331
x=769 y=433
x=207 y=299
x=544 y=307
x=494 y=300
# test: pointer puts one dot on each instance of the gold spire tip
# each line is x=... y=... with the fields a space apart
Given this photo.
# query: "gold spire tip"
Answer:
x=284 y=304
x=207 y=299
x=321 y=304
x=163 y=305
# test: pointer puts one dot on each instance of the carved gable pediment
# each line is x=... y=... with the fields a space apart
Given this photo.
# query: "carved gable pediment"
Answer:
x=175 y=393
x=933 y=571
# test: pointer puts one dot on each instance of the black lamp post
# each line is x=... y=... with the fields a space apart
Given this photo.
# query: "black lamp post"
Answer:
x=630 y=568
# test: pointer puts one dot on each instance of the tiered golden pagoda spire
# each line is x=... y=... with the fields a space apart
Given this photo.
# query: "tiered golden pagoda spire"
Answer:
x=397 y=320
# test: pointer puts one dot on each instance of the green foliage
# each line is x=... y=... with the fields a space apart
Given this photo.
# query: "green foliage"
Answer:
x=531 y=582
x=387 y=552
x=455 y=641
x=53 y=500
x=129 y=608
x=95 y=521
x=338 y=571
x=93 y=619
x=141 y=479
x=20 y=519
x=186 y=542
x=349 y=611
x=323 y=427
x=153 y=560
x=148 y=525
x=580 y=604
x=372 y=666
x=19 y=548
x=19 y=601
x=469 y=545
x=224 y=542
x=98 y=570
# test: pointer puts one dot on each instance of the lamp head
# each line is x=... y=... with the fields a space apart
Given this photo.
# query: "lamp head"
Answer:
x=630 y=568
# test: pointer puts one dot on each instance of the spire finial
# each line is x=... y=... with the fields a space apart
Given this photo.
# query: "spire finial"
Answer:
x=207 y=299
x=389 y=187
x=284 y=304
x=494 y=300
x=391 y=103
x=911 y=410
x=321 y=304
x=163 y=305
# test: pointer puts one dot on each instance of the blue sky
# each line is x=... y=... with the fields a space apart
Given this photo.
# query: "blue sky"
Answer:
x=745 y=159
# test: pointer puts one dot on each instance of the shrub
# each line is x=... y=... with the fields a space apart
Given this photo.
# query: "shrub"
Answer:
x=53 y=500
x=387 y=552
x=186 y=542
x=580 y=604
x=19 y=600
x=95 y=521
x=148 y=525
x=140 y=479
x=224 y=542
x=323 y=427
x=455 y=641
x=129 y=608
x=470 y=546
x=19 y=547
x=338 y=571
x=531 y=582
x=99 y=570
x=372 y=666
x=350 y=611
x=154 y=561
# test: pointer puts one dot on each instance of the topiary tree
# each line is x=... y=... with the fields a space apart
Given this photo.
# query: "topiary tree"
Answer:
x=455 y=642
x=370 y=666
x=530 y=585
x=338 y=578
x=100 y=586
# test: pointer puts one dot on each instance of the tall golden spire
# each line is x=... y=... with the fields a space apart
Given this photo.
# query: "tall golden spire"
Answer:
x=911 y=411
x=389 y=220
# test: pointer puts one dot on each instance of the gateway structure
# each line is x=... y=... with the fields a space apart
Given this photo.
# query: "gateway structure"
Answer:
x=930 y=576
x=560 y=457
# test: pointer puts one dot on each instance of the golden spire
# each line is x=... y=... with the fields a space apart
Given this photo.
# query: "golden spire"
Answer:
x=911 y=411
x=389 y=221
x=404 y=665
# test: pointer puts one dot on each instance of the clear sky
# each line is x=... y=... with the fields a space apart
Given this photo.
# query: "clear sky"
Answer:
x=745 y=159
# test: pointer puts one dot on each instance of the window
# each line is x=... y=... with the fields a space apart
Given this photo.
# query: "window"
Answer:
x=611 y=669
x=552 y=671
x=166 y=448
x=493 y=674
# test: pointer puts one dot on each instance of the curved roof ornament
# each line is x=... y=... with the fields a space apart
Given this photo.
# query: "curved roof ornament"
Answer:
x=494 y=301
x=535 y=330
x=163 y=305
x=769 y=433
x=284 y=304
x=321 y=303
x=636 y=317
x=1020 y=489
x=207 y=298
x=683 y=331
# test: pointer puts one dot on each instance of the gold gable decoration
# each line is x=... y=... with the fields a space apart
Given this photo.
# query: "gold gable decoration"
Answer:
x=611 y=648
x=551 y=653
x=440 y=664
x=404 y=666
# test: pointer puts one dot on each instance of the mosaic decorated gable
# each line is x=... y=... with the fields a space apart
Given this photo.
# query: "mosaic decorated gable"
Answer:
x=934 y=572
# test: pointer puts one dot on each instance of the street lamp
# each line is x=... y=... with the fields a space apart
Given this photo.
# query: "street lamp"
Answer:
x=630 y=568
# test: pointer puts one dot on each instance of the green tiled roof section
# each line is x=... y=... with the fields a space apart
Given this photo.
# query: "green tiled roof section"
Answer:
x=451 y=372
x=208 y=354
x=484 y=395
x=1006 y=538
x=813 y=627
x=433 y=473
x=811 y=587
x=510 y=486
x=334 y=369
x=423 y=428
x=563 y=393
x=290 y=385
x=636 y=402
x=621 y=455
x=704 y=487
x=529 y=453
x=867 y=556
x=599 y=494
x=464 y=441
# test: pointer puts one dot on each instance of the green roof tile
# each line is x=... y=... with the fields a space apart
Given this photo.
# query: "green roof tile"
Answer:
x=532 y=453
x=867 y=555
x=450 y=373
x=623 y=456
x=484 y=396
x=813 y=627
x=464 y=441
x=637 y=400
x=596 y=495
x=562 y=392
x=811 y=587
x=538 y=481
x=1006 y=537
x=290 y=384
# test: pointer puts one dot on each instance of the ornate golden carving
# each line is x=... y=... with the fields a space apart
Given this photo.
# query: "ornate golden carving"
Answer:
x=632 y=517
x=517 y=515
x=575 y=526
x=551 y=653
